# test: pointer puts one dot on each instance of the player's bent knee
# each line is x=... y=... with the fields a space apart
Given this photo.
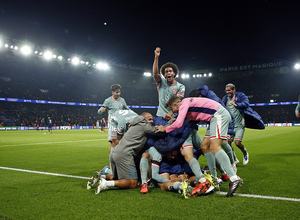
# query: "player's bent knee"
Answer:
x=133 y=184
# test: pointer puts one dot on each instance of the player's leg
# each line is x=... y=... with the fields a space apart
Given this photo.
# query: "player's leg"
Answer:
x=124 y=170
x=144 y=169
x=238 y=142
x=219 y=128
x=156 y=158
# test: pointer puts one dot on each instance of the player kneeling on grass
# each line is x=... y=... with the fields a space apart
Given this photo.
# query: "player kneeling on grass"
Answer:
x=122 y=156
x=203 y=109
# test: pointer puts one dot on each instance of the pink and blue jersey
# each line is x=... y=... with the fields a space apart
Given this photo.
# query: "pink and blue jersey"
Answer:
x=196 y=109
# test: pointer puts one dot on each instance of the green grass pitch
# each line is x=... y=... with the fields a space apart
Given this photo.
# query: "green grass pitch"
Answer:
x=273 y=172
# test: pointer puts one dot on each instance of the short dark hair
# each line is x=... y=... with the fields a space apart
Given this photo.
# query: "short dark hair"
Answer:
x=195 y=93
x=169 y=64
x=114 y=87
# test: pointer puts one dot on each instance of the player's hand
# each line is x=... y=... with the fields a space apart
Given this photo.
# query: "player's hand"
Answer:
x=168 y=116
x=232 y=103
x=298 y=115
x=160 y=128
x=157 y=51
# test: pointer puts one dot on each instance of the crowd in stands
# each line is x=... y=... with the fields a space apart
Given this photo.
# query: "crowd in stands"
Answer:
x=67 y=84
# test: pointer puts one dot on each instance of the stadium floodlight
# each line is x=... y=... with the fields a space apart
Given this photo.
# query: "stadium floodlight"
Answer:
x=26 y=50
x=6 y=45
x=102 y=66
x=75 y=60
x=297 y=66
x=48 y=55
x=187 y=76
x=205 y=75
x=210 y=74
x=183 y=76
x=148 y=74
x=60 y=57
x=272 y=100
x=194 y=75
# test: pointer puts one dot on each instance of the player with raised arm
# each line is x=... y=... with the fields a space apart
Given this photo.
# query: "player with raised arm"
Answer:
x=167 y=86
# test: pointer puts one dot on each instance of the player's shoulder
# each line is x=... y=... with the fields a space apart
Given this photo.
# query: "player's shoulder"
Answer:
x=179 y=84
x=109 y=99
x=122 y=99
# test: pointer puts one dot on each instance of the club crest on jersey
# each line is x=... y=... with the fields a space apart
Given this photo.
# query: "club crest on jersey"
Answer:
x=121 y=104
x=174 y=91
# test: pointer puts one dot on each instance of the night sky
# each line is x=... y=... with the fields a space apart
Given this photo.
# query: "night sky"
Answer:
x=192 y=34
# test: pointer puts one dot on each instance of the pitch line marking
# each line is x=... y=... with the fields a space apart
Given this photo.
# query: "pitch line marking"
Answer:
x=45 y=173
x=86 y=178
x=59 y=142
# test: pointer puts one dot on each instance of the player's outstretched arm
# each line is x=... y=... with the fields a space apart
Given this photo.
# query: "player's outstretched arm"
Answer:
x=156 y=75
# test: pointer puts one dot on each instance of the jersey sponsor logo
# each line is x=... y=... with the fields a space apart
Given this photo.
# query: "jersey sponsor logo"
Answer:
x=174 y=91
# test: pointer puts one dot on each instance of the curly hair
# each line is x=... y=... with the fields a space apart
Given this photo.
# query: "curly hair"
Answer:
x=169 y=64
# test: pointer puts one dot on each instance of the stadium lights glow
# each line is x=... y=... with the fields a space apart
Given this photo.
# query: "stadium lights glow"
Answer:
x=185 y=75
x=297 y=66
x=26 y=50
x=148 y=74
x=210 y=74
x=48 y=55
x=102 y=66
x=75 y=60
x=272 y=100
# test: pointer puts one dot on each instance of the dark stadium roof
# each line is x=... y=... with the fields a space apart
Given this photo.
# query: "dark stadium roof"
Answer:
x=193 y=34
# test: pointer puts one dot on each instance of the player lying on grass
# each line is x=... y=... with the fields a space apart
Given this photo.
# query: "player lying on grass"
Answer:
x=184 y=139
x=175 y=169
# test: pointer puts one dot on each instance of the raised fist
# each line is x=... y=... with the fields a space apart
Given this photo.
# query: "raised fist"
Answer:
x=157 y=51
